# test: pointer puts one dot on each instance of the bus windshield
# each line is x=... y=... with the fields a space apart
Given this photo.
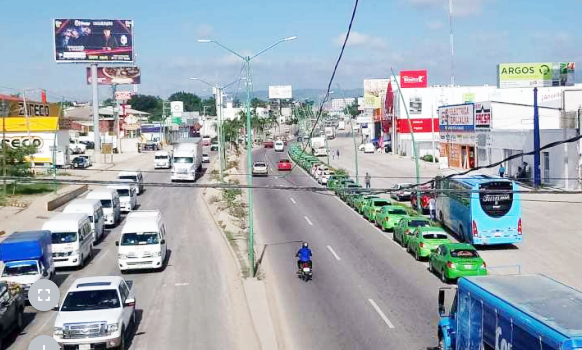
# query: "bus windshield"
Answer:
x=496 y=204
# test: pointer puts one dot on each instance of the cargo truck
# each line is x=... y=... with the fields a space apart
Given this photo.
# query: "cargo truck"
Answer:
x=330 y=132
x=27 y=258
x=187 y=160
x=511 y=312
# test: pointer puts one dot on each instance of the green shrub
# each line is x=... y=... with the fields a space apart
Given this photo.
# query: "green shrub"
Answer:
x=428 y=158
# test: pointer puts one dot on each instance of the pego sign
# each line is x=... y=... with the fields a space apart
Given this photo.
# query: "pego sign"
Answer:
x=413 y=79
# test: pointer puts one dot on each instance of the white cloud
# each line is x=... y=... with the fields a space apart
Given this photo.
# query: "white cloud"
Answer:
x=461 y=8
x=435 y=25
x=362 y=40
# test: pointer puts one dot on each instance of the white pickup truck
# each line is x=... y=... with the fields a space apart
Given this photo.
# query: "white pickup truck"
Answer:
x=96 y=313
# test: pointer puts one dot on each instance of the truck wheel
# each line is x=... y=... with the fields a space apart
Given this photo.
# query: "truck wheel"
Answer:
x=122 y=340
x=441 y=342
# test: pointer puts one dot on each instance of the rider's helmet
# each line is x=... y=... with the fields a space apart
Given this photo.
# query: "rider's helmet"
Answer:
x=305 y=245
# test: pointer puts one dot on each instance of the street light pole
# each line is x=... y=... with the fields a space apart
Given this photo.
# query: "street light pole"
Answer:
x=247 y=60
x=353 y=135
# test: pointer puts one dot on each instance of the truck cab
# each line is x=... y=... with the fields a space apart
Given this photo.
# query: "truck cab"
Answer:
x=96 y=313
x=187 y=160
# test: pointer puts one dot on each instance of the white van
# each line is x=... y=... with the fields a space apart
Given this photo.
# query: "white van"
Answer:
x=279 y=146
x=162 y=160
x=142 y=244
x=127 y=196
x=93 y=209
x=110 y=202
x=72 y=241
x=134 y=176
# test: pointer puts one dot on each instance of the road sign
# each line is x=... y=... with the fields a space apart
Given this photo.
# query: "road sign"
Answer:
x=123 y=95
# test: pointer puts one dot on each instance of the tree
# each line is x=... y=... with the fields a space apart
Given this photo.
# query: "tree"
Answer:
x=16 y=160
x=255 y=102
x=109 y=102
x=352 y=109
x=191 y=101
x=146 y=103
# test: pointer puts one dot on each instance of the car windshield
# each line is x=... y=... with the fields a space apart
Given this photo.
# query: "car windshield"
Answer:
x=161 y=157
x=122 y=192
x=106 y=203
x=87 y=300
x=139 y=238
x=260 y=164
x=464 y=253
x=63 y=237
x=128 y=177
x=397 y=212
x=204 y=155
x=381 y=203
x=418 y=223
x=183 y=160
x=434 y=236
x=26 y=268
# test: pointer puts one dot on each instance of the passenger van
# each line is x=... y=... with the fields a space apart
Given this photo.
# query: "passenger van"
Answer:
x=110 y=202
x=142 y=244
x=93 y=209
x=127 y=196
x=71 y=237
x=134 y=176
x=162 y=160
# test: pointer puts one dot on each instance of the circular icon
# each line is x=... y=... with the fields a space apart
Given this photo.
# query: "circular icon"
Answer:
x=43 y=342
x=43 y=295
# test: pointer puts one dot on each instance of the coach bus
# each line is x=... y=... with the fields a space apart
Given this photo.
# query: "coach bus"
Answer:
x=470 y=207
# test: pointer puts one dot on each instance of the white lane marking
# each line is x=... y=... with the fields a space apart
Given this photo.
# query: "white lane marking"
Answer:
x=379 y=311
x=308 y=221
x=182 y=284
x=292 y=200
x=333 y=252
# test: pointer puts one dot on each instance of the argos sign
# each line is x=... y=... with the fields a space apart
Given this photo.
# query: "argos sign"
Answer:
x=413 y=79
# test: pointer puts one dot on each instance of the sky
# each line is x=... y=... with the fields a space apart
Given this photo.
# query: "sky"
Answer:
x=398 y=34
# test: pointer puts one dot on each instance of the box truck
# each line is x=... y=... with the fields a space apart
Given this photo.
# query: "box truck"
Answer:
x=187 y=160
x=510 y=312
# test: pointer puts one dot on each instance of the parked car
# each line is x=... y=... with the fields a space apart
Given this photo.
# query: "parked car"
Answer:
x=406 y=226
x=12 y=309
x=360 y=200
x=80 y=163
x=88 y=144
x=205 y=158
x=284 y=165
x=369 y=148
x=260 y=169
x=86 y=157
x=324 y=177
x=454 y=260
x=269 y=144
x=214 y=146
x=424 y=199
x=373 y=206
x=389 y=216
x=425 y=240
x=401 y=191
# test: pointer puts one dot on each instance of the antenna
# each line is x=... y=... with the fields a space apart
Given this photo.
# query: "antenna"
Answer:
x=452 y=43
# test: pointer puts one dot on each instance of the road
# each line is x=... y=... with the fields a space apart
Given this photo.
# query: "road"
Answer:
x=366 y=292
x=196 y=302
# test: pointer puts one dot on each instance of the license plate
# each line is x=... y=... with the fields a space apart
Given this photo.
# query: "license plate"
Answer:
x=498 y=234
x=306 y=269
x=470 y=267
x=84 y=346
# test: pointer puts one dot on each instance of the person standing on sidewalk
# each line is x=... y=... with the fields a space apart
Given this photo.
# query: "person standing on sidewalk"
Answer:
x=368 y=179
x=501 y=171
x=432 y=208
x=337 y=153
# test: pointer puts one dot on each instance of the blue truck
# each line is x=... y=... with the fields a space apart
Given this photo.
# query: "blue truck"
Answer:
x=510 y=312
x=27 y=258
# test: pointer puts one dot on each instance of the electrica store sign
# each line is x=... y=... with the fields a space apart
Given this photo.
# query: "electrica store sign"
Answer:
x=457 y=117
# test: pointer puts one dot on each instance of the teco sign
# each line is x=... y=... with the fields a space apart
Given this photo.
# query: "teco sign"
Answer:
x=23 y=141
x=413 y=79
x=123 y=95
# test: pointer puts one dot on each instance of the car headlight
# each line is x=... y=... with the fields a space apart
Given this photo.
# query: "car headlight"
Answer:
x=158 y=253
x=121 y=256
x=111 y=328
x=58 y=332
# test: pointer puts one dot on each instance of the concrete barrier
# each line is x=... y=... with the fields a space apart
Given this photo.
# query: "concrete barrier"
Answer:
x=60 y=200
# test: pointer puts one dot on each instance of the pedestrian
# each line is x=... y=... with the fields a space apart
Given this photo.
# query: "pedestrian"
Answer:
x=368 y=180
x=432 y=208
x=501 y=171
x=337 y=153
x=332 y=154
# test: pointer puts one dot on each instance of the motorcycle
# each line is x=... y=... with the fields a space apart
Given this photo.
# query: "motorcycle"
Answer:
x=306 y=272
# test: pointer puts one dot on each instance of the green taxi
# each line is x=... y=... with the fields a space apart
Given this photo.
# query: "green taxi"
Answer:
x=405 y=228
x=389 y=216
x=454 y=260
x=361 y=201
x=373 y=206
x=333 y=180
x=425 y=240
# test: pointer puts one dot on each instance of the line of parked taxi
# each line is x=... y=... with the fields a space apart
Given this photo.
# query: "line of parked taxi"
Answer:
x=421 y=238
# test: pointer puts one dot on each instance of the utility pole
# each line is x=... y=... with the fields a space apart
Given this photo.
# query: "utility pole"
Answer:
x=536 y=139
x=251 y=246
x=5 y=111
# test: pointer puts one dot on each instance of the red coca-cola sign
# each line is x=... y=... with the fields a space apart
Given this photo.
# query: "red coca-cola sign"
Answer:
x=418 y=125
x=413 y=79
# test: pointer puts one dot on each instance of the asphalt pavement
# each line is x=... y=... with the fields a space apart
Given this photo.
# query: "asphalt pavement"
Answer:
x=196 y=302
x=367 y=293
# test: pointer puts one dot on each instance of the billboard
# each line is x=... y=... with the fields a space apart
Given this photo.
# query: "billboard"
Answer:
x=93 y=40
x=419 y=125
x=37 y=116
x=280 y=92
x=457 y=117
x=123 y=95
x=482 y=116
x=413 y=79
x=375 y=92
x=544 y=74
x=116 y=75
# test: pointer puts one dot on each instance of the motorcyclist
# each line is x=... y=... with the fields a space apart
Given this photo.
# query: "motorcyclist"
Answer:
x=304 y=255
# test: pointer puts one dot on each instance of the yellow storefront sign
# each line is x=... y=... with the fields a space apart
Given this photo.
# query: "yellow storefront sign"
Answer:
x=35 y=116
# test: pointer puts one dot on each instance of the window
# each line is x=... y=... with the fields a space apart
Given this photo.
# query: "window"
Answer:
x=145 y=238
x=91 y=300
x=106 y=203
x=64 y=237
x=464 y=253
x=123 y=291
x=496 y=204
x=432 y=235
x=5 y=296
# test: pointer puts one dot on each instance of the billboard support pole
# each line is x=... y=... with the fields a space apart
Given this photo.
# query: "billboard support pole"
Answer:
x=4 y=111
x=536 y=139
x=96 y=133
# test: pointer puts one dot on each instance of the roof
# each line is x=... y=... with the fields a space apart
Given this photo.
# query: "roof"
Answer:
x=98 y=282
x=128 y=173
x=61 y=218
x=431 y=229
x=26 y=236
x=140 y=224
x=100 y=192
x=84 y=203
x=459 y=246
x=10 y=98
x=474 y=180
x=545 y=299
x=121 y=186
x=86 y=112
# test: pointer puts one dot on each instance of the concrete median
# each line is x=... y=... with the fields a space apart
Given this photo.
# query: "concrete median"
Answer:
x=75 y=192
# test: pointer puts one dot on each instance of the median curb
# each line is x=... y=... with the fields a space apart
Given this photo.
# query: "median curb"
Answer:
x=65 y=198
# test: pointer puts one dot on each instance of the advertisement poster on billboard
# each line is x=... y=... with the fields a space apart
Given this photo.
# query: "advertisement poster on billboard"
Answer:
x=457 y=117
x=93 y=40
x=415 y=105
x=413 y=79
x=123 y=95
x=116 y=75
x=419 y=125
x=281 y=92
x=544 y=74
x=483 y=116
x=374 y=92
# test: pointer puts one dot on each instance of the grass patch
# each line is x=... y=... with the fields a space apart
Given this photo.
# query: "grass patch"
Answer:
x=28 y=189
x=230 y=195
x=232 y=164
x=238 y=212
